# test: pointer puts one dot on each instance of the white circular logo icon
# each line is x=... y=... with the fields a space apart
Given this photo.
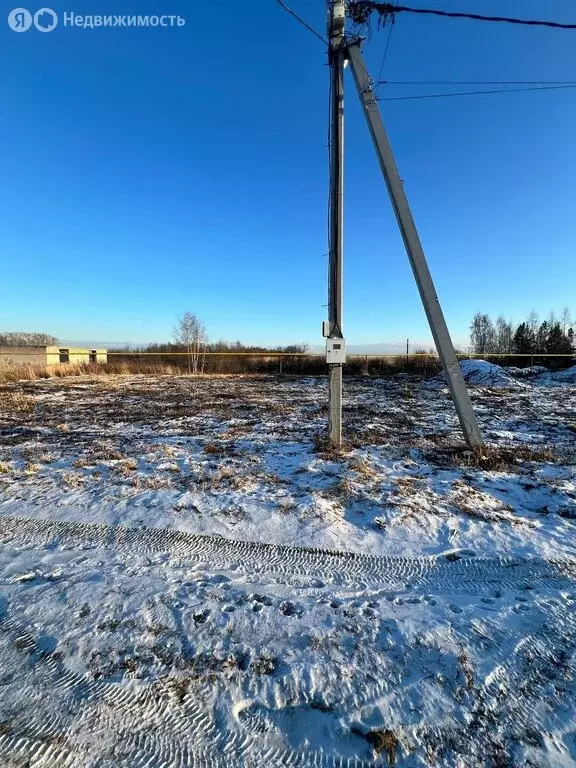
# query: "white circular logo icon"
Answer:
x=20 y=20
x=45 y=20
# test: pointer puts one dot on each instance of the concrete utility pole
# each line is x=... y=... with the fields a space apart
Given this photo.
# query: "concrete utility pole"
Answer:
x=335 y=345
x=434 y=313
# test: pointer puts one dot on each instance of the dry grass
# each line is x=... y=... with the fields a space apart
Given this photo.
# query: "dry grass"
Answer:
x=326 y=450
x=24 y=372
x=36 y=453
x=5 y=468
x=407 y=484
x=29 y=372
x=498 y=458
x=363 y=467
x=126 y=467
x=476 y=504
x=384 y=741
x=143 y=483
x=82 y=462
x=72 y=479
x=467 y=669
x=16 y=402
x=106 y=452
x=220 y=449
x=504 y=459
x=226 y=474
x=343 y=490
x=236 y=431
x=155 y=483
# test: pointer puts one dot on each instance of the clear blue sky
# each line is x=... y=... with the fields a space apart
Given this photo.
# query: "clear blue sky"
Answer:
x=149 y=171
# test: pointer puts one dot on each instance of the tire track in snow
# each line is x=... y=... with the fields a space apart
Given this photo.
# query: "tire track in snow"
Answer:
x=528 y=694
x=468 y=575
x=72 y=720
x=151 y=727
x=541 y=667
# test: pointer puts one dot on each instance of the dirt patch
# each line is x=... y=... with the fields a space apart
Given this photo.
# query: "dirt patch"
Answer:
x=384 y=741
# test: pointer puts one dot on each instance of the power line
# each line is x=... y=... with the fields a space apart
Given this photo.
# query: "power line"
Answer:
x=474 y=93
x=476 y=82
x=301 y=20
x=360 y=11
x=387 y=45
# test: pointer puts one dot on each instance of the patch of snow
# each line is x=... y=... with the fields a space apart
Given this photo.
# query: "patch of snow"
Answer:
x=481 y=373
x=531 y=372
x=567 y=376
x=128 y=637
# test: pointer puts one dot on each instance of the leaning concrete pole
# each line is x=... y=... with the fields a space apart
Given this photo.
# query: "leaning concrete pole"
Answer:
x=336 y=25
x=434 y=313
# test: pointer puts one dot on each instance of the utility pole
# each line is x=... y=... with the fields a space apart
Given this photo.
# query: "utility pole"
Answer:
x=335 y=345
x=414 y=249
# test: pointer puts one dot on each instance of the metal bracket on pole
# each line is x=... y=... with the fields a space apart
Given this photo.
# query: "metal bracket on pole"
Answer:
x=434 y=313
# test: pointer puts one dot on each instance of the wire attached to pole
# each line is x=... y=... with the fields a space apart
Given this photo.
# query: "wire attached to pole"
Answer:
x=301 y=20
x=475 y=93
x=360 y=11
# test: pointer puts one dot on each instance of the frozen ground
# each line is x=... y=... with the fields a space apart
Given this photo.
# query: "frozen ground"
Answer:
x=145 y=620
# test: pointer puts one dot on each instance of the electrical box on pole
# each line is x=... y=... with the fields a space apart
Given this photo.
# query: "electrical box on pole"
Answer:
x=335 y=351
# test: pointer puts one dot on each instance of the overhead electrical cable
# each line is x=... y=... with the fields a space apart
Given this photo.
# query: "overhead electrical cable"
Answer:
x=361 y=10
x=474 y=93
x=476 y=82
x=387 y=46
x=301 y=21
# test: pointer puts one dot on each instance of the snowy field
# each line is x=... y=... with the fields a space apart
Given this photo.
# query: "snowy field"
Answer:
x=189 y=578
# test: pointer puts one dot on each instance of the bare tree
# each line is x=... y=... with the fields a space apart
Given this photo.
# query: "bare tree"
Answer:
x=26 y=339
x=298 y=349
x=533 y=322
x=190 y=332
x=482 y=334
x=565 y=320
x=504 y=335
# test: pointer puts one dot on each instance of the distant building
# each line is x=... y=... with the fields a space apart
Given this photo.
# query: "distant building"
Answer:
x=51 y=355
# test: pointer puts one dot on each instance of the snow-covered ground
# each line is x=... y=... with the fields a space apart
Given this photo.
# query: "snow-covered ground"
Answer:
x=158 y=607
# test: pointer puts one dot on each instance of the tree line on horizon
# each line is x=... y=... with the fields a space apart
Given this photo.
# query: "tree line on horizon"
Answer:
x=26 y=339
x=553 y=336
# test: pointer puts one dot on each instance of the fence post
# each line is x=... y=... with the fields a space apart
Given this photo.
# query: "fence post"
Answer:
x=280 y=364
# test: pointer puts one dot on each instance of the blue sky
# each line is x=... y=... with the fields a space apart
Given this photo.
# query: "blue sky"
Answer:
x=150 y=171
